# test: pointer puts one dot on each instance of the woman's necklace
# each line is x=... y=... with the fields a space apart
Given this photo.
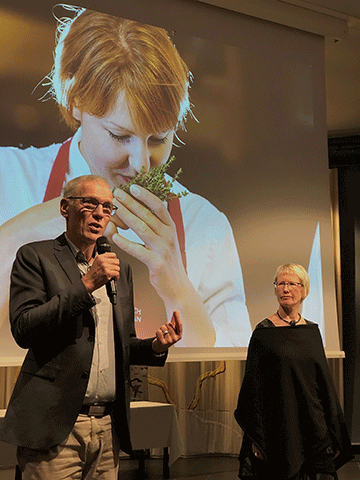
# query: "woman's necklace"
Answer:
x=290 y=322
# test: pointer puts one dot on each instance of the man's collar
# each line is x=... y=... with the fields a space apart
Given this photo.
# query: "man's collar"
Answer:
x=76 y=250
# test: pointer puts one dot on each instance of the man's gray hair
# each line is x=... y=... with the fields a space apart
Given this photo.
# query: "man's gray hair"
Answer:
x=72 y=187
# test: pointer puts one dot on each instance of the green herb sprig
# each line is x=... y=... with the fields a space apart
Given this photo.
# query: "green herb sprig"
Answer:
x=154 y=181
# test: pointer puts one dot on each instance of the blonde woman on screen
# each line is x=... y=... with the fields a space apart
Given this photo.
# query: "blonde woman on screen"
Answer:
x=123 y=87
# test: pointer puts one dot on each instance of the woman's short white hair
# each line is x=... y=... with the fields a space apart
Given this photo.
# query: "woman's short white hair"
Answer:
x=298 y=270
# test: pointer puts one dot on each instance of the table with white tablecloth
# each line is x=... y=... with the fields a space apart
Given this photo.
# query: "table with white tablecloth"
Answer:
x=154 y=425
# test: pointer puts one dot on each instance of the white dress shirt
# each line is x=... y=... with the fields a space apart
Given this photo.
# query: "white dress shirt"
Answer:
x=101 y=386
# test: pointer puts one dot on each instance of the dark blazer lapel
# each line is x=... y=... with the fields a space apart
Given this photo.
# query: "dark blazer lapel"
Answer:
x=65 y=257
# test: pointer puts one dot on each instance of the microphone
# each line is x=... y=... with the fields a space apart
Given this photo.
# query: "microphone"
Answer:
x=103 y=246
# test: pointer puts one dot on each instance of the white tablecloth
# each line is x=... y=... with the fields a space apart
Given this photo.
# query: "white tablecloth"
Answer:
x=153 y=425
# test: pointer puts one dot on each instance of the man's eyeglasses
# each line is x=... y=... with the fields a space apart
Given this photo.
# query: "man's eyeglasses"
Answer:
x=288 y=284
x=91 y=204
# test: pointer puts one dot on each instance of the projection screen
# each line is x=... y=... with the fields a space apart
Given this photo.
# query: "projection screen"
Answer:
x=253 y=157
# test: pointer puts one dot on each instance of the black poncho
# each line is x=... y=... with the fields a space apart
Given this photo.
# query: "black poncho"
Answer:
x=288 y=406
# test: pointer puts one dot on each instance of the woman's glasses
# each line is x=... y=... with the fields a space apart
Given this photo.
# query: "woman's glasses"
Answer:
x=290 y=285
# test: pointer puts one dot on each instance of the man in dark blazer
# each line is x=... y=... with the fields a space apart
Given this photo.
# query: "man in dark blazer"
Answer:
x=69 y=411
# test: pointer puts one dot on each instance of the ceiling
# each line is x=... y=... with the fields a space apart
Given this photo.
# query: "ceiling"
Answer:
x=337 y=20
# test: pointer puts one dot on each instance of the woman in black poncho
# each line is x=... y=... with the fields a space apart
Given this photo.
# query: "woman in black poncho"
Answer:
x=288 y=408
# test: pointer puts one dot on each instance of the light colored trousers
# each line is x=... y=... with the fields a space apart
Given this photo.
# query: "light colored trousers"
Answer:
x=90 y=452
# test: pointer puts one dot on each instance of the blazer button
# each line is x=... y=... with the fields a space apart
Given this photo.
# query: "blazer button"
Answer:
x=91 y=339
x=85 y=375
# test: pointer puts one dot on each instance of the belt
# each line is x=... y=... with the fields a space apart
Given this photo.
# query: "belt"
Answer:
x=97 y=410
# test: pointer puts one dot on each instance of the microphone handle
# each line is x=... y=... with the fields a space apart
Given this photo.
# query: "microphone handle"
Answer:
x=111 y=291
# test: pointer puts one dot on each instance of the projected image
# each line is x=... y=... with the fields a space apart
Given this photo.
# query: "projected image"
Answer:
x=235 y=119
x=124 y=89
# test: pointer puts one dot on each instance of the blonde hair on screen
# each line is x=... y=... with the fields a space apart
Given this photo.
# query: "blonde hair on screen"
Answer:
x=98 y=56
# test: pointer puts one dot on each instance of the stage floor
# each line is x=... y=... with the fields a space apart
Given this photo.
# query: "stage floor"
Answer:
x=195 y=468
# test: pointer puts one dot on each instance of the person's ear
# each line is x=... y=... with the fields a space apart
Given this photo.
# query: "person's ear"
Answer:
x=64 y=207
x=77 y=114
x=303 y=297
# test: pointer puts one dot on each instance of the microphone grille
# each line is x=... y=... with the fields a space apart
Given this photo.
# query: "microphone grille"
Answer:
x=103 y=245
